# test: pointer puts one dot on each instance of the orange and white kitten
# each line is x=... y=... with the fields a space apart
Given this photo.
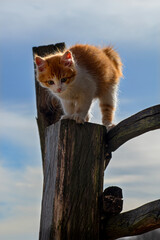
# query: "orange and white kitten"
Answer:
x=79 y=75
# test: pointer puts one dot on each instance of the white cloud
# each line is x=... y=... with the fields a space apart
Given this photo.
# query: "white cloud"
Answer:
x=86 y=20
x=18 y=126
x=21 y=188
x=20 y=192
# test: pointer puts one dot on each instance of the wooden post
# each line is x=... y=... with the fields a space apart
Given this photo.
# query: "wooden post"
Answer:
x=73 y=181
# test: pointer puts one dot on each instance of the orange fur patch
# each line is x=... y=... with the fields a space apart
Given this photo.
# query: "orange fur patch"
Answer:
x=99 y=64
x=107 y=112
x=99 y=72
x=56 y=69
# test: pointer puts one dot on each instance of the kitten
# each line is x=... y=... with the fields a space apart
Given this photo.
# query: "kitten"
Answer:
x=79 y=75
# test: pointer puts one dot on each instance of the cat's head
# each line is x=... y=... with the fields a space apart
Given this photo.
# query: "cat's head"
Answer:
x=56 y=72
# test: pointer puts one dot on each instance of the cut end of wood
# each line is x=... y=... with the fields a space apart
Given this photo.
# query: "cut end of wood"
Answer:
x=48 y=49
x=112 y=202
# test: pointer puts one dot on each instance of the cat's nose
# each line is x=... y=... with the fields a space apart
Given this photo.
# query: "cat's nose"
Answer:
x=59 y=90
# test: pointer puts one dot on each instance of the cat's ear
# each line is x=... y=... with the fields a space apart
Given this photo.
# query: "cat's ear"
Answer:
x=67 y=59
x=41 y=63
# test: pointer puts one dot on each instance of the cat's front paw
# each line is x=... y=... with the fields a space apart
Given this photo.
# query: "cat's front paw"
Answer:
x=78 y=118
x=75 y=117
x=66 y=117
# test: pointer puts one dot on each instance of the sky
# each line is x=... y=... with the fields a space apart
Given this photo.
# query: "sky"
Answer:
x=132 y=27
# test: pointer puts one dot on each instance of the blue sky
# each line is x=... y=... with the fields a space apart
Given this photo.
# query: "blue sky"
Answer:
x=132 y=27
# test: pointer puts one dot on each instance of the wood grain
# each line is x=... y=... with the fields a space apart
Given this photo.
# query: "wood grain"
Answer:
x=73 y=181
x=134 y=222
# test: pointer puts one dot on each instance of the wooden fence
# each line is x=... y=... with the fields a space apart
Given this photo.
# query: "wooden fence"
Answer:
x=74 y=156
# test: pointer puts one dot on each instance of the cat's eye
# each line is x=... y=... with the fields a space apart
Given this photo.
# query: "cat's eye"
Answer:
x=63 y=80
x=50 y=82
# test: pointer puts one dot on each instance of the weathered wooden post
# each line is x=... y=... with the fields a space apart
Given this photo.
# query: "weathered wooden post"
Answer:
x=73 y=181
x=74 y=158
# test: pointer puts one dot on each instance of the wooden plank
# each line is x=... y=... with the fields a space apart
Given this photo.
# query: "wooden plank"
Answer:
x=49 y=109
x=144 y=121
x=73 y=181
x=134 y=222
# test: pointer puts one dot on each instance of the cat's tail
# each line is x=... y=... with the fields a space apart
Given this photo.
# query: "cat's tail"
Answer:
x=115 y=58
